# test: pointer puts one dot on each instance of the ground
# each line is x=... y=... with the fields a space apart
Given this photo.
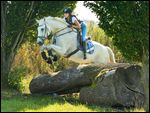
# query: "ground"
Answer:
x=12 y=101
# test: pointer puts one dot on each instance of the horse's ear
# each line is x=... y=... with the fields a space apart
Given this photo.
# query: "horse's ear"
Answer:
x=37 y=21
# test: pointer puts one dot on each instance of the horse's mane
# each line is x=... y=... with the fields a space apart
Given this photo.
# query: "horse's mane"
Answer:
x=61 y=20
x=55 y=18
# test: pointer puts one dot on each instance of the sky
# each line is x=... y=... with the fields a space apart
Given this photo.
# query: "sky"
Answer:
x=84 y=13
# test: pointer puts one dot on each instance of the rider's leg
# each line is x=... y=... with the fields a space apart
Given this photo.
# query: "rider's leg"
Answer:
x=84 y=32
x=84 y=49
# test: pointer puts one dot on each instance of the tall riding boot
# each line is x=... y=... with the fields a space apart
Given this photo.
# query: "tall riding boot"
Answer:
x=84 y=49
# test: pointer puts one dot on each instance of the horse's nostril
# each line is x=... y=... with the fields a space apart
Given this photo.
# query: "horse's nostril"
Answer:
x=39 y=41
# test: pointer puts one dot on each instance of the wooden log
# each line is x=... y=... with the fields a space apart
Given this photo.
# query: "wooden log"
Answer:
x=69 y=80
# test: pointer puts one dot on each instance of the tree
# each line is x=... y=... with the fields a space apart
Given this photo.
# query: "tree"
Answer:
x=18 y=23
x=127 y=22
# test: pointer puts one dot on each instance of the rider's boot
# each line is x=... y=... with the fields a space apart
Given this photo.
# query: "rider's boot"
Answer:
x=84 y=49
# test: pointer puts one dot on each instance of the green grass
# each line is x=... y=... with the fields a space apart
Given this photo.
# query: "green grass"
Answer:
x=39 y=103
x=47 y=103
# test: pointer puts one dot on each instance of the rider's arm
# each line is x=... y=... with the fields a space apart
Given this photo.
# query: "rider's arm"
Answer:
x=77 y=24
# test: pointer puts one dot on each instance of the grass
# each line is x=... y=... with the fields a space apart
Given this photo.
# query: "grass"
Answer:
x=42 y=103
x=14 y=102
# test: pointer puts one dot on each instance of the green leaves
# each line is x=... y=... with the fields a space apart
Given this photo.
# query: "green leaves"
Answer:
x=127 y=22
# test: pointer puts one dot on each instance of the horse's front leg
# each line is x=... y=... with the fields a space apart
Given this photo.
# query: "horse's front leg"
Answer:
x=59 y=50
x=47 y=59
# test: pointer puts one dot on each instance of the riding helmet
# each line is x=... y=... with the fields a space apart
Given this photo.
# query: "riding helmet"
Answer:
x=68 y=10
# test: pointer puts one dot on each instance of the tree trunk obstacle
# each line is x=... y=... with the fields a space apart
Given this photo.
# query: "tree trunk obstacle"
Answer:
x=111 y=84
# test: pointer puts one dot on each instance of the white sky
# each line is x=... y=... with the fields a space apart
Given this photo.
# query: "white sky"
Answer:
x=84 y=13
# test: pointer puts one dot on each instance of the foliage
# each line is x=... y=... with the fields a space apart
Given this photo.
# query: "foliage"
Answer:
x=29 y=55
x=127 y=22
x=15 y=77
x=145 y=78
x=98 y=34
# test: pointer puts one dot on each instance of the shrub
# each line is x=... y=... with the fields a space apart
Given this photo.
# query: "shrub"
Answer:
x=15 y=77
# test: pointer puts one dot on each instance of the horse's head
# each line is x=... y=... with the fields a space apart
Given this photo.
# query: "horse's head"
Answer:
x=47 y=26
x=43 y=31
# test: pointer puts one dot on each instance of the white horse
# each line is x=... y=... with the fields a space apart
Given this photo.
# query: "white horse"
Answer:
x=66 y=42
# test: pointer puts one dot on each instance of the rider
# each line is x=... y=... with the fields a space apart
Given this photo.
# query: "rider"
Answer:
x=73 y=22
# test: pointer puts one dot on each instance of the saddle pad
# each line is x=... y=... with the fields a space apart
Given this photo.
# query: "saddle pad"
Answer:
x=90 y=47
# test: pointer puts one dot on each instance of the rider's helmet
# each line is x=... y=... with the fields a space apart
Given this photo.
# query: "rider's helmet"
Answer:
x=68 y=10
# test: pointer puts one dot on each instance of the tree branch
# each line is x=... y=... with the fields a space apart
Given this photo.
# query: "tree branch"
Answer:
x=21 y=34
x=3 y=21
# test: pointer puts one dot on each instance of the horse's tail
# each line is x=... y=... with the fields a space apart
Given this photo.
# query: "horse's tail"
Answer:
x=111 y=55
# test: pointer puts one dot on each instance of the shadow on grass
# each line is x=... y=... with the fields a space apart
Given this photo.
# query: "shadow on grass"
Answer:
x=35 y=102
x=13 y=101
x=21 y=103
x=99 y=108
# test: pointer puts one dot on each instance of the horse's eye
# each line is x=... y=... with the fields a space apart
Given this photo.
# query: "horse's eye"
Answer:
x=42 y=29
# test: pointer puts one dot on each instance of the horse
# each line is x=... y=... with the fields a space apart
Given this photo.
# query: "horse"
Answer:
x=64 y=42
